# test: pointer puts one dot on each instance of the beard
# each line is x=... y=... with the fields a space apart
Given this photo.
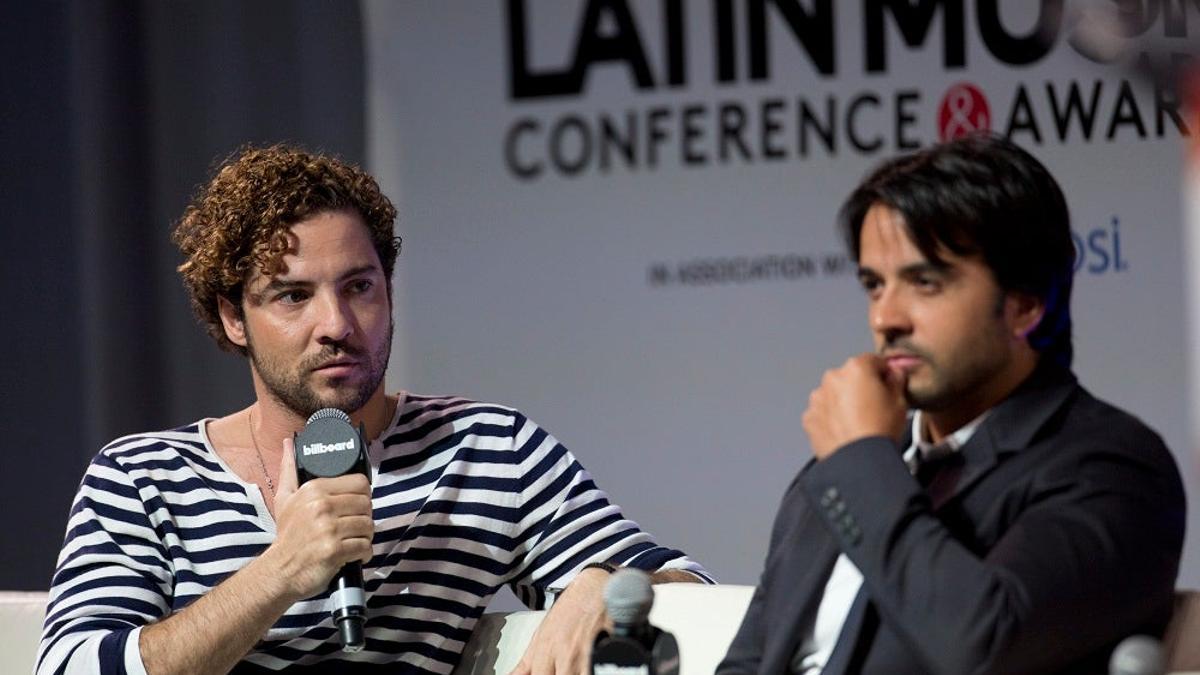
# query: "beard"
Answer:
x=291 y=386
x=948 y=378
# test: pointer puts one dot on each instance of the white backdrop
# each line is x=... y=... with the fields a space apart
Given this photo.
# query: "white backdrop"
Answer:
x=648 y=266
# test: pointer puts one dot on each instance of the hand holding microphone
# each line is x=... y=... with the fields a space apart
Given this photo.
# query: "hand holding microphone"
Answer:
x=324 y=522
x=330 y=447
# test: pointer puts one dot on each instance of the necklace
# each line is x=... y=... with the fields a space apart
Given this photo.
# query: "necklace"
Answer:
x=261 y=462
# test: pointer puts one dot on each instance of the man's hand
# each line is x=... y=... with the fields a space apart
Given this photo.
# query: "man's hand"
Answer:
x=563 y=642
x=321 y=526
x=860 y=399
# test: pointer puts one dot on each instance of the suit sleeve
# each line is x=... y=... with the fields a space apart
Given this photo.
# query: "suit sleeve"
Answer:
x=1091 y=553
x=746 y=651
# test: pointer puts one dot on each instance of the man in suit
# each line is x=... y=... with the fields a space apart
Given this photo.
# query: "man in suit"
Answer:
x=1012 y=523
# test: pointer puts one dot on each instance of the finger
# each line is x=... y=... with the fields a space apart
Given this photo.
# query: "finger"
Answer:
x=287 y=469
x=896 y=380
x=351 y=483
x=584 y=658
x=356 y=527
x=876 y=361
x=345 y=505
x=357 y=550
x=525 y=665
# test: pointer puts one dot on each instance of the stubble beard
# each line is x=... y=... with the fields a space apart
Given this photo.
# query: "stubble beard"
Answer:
x=291 y=386
x=952 y=384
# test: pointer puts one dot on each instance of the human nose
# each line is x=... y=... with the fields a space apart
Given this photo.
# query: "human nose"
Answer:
x=334 y=323
x=889 y=316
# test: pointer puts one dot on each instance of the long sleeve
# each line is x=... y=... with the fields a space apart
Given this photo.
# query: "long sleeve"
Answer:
x=111 y=579
x=568 y=522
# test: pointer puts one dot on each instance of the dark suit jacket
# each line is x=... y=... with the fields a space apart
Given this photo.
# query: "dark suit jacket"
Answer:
x=1059 y=536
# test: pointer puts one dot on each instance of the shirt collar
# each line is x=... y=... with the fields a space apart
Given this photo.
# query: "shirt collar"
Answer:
x=922 y=450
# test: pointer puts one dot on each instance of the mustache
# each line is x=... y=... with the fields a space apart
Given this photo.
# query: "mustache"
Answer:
x=329 y=352
x=902 y=345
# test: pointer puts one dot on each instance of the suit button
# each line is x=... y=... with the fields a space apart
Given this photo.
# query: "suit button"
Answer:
x=830 y=496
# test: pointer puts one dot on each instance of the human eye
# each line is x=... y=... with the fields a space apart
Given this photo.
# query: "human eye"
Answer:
x=928 y=282
x=869 y=283
x=360 y=286
x=293 y=296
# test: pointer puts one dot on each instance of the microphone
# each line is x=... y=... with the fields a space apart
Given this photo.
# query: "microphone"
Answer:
x=1137 y=655
x=635 y=647
x=330 y=446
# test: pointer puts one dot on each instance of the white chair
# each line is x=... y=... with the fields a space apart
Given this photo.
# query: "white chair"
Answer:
x=21 y=617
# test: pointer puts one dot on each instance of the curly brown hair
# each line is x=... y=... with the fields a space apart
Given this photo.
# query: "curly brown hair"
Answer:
x=240 y=222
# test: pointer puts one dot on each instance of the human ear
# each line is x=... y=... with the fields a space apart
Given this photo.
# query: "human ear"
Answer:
x=232 y=320
x=1024 y=312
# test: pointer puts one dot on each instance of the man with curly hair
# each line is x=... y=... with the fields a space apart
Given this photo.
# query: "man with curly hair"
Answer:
x=194 y=550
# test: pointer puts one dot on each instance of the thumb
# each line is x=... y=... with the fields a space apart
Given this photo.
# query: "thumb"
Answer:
x=287 y=469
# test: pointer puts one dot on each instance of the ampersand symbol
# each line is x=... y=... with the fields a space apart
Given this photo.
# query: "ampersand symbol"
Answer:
x=964 y=110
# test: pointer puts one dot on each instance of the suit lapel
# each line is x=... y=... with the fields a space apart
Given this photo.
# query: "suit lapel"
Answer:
x=1011 y=426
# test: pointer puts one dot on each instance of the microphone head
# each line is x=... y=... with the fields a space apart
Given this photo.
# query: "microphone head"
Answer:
x=328 y=445
x=328 y=412
x=1137 y=655
x=628 y=597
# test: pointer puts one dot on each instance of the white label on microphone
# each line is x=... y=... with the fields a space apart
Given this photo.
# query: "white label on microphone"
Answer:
x=350 y=596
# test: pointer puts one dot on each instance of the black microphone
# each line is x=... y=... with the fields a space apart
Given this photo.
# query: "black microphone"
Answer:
x=634 y=647
x=329 y=446
x=1137 y=655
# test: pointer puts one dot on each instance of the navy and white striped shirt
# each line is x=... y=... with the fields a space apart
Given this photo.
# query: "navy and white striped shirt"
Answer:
x=466 y=497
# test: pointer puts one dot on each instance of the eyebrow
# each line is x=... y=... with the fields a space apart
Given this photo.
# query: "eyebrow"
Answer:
x=276 y=284
x=924 y=267
x=912 y=270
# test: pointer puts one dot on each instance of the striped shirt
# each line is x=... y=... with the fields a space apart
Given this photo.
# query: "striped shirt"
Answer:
x=466 y=496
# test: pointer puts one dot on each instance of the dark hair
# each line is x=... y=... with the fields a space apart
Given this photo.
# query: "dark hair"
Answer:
x=982 y=195
x=240 y=221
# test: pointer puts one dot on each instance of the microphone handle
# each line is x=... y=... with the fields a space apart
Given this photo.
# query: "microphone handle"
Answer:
x=349 y=606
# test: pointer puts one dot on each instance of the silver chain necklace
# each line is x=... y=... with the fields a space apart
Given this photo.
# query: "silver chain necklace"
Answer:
x=257 y=451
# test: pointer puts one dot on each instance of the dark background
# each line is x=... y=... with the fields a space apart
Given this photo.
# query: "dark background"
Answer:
x=113 y=114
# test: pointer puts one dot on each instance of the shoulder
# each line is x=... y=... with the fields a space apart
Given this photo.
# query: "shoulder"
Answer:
x=1092 y=418
x=1093 y=435
x=133 y=446
x=416 y=411
x=154 y=450
x=454 y=420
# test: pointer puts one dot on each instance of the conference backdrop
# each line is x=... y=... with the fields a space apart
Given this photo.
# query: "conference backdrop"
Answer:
x=618 y=216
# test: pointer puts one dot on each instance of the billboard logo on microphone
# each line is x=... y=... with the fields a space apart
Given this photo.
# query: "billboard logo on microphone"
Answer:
x=322 y=448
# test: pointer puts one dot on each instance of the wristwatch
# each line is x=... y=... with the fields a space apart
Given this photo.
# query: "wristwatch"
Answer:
x=606 y=566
